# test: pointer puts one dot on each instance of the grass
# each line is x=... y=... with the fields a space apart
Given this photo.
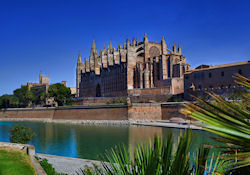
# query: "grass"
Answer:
x=15 y=162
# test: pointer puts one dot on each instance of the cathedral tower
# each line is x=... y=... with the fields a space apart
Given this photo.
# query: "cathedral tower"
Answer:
x=79 y=68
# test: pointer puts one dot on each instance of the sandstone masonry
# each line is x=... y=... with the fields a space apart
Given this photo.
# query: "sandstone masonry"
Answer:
x=134 y=69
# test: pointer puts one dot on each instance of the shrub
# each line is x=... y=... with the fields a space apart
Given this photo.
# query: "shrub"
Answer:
x=21 y=134
x=47 y=167
x=122 y=100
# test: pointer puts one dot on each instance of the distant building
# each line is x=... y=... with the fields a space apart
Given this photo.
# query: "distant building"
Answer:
x=43 y=83
x=137 y=68
x=218 y=79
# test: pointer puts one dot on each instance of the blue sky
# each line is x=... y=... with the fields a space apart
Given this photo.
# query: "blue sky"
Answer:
x=46 y=36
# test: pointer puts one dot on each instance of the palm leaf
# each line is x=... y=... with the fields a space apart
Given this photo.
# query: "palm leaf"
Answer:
x=227 y=119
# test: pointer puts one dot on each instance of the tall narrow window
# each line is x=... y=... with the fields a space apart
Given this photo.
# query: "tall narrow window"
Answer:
x=168 y=67
x=209 y=74
x=240 y=71
x=158 y=71
x=222 y=73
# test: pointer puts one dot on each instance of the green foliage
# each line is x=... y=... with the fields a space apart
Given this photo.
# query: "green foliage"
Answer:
x=61 y=94
x=229 y=120
x=24 y=96
x=95 y=170
x=21 y=134
x=48 y=167
x=39 y=96
x=8 y=101
x=158 y=158
x=122 y=100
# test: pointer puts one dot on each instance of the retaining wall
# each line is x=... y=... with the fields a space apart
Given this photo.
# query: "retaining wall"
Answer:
x=136 y=111
x=171 y=110
x=145 y=111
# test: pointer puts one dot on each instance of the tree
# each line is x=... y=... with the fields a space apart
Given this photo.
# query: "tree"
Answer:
x=39 y=96
x=61 y=93
x=21 y=134
x=8 y=101
x=24 y=96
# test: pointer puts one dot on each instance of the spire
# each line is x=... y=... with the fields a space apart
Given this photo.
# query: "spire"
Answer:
x=79 y=58
x=145 y=37
x=93 y=44
x=162 y=39
x=179 y=48
x=137 y=41
x=133 y=41
x=127 y=43
x=110 y=45
x=164 y=46
x=174 y=48
x=86 y=62
x=104 y=47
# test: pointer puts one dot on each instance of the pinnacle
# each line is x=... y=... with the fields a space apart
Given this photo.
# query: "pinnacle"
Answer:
x=163 y=39
x=110 y=45
x=79 y=58
x=93 y=44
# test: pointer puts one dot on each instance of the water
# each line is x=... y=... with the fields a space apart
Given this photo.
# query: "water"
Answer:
x=88 y=141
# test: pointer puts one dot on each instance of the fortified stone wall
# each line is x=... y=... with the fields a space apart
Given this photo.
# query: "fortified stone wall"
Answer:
x=144 y=111
x=115 y=112
x=137 y=111
x=28 y=113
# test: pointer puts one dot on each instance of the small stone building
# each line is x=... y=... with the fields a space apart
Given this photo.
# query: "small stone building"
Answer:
x=218 y=79
x=136 y=68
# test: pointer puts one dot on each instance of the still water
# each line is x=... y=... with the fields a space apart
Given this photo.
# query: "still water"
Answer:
x=88 y=141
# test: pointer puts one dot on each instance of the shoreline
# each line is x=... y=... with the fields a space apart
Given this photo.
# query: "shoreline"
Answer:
x=152 y=123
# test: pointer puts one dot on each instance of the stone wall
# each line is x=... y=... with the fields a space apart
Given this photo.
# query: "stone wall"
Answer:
x=171 y=110
x=105 y=112
x=96 y=100
x=136 y=111
x=28 y=113
x=145 y=111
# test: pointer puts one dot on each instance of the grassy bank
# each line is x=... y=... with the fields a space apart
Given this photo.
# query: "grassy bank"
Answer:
x=15 y=162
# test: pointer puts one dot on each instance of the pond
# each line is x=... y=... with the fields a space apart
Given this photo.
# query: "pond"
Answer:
x=89 y=141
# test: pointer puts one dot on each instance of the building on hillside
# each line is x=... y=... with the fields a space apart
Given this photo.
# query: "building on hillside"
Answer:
x=218 y=79
x=136 y=68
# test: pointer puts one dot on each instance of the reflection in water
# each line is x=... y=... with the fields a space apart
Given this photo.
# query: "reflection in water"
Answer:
x=87 y=141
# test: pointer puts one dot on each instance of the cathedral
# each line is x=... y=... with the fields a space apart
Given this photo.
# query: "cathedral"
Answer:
x=136 y=68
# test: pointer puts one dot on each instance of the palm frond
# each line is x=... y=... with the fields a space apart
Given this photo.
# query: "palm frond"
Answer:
x=227 y=119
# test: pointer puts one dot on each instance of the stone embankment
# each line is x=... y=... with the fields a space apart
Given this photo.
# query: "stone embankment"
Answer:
x=30 y=150
x=135 y=111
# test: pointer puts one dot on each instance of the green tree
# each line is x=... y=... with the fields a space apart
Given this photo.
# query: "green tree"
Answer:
x=39 y=96
x=21 y=134
x=8 y=101
x=24 y=96
x=61 y=94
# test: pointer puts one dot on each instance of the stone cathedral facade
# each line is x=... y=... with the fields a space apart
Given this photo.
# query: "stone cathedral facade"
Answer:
x=136 y=68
